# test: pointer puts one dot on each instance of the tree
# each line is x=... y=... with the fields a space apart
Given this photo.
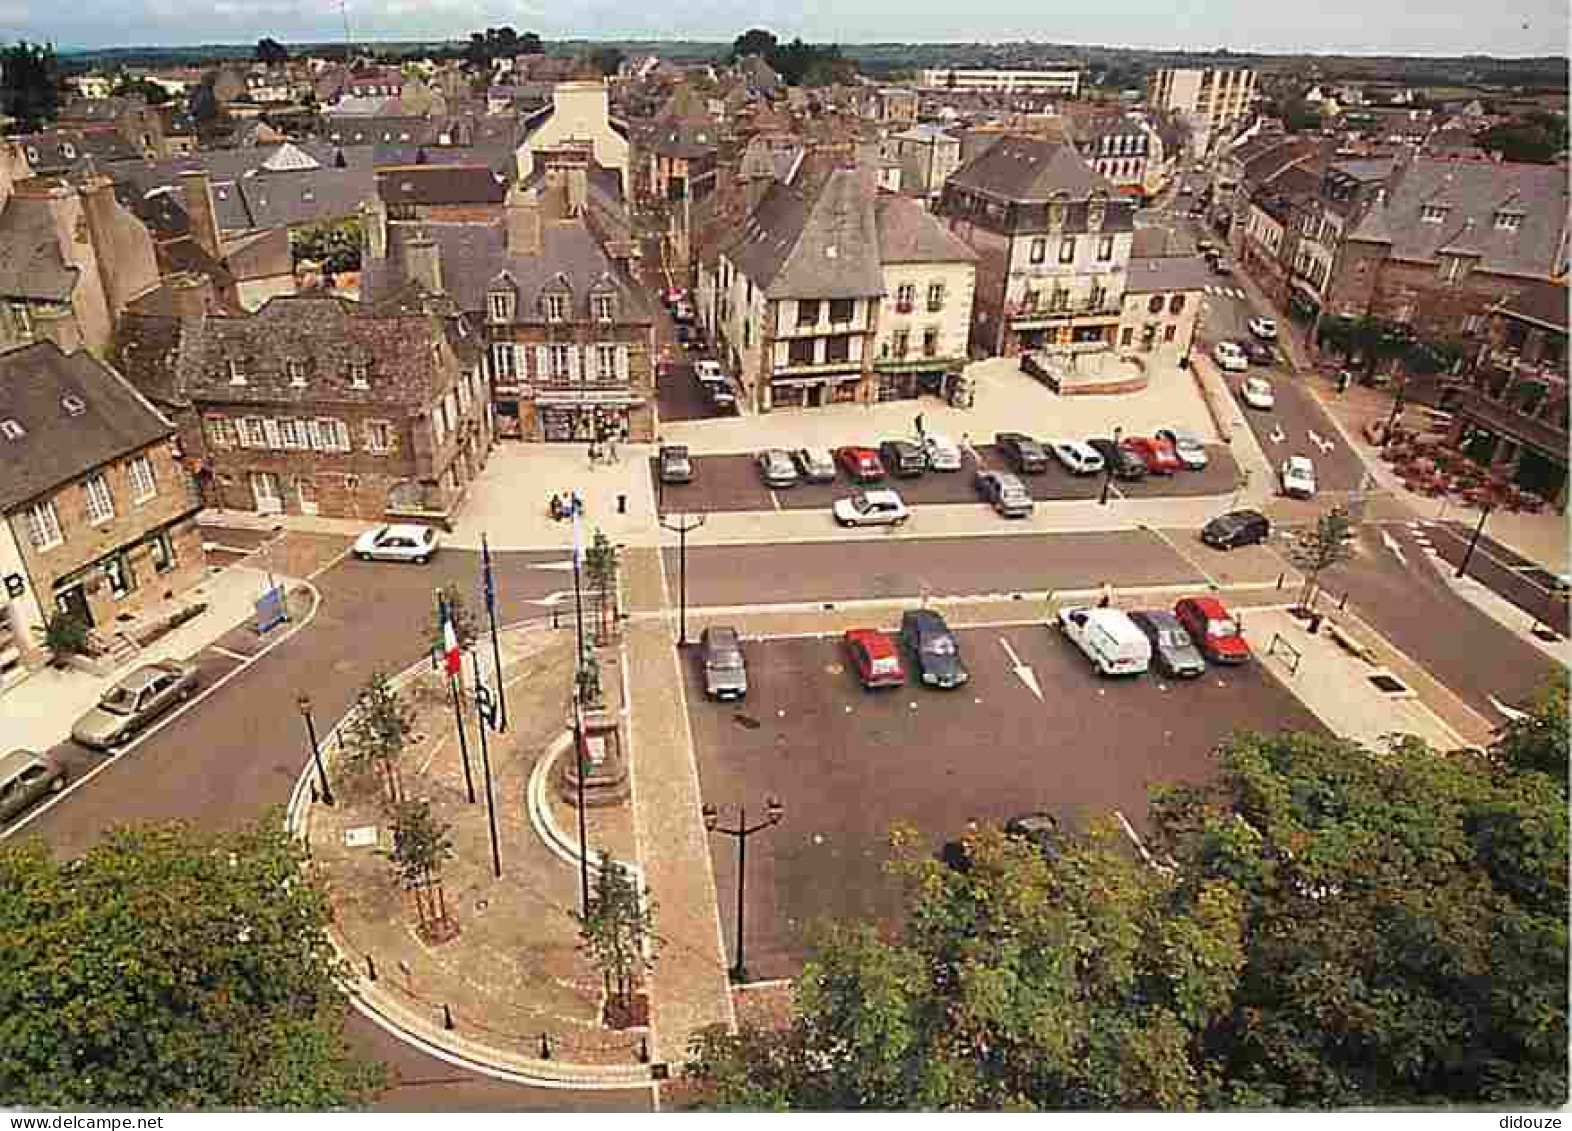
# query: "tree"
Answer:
x=380 y=726
x=29 y=84
x=600 y=566
x=1314 y=551
x=607 y=60
x=618 y=931
x=587 y=680
x=754 y=41
x=1521 y=140
x=465 y=624
x=1539 y=740
x=421 y=845
x=334 y=246
x=149 y=92
x=271 y=51
x=171 y=969
x=1323 y=926
x=65 y=635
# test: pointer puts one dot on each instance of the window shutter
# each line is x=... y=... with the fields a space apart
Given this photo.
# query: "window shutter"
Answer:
x=270 y=430
x=622 y=363
x=575 y=372
x=313 y=435
x=542 y=363
x=520 y=363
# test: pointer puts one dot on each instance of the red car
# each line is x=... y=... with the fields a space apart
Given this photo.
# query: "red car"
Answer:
x=1158 y=455
x=876 y=658
x=862 y=464
x=1213 y=629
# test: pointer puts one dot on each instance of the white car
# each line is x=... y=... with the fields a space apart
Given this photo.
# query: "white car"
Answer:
x=398 y=544
x=1108 y=638
x=943 y=453
x=814 y=465
x=1078 y=457
x=871 y=508
x=708 y=372
x=1264 y=328
x=1298 y=477
x=1230 y=357
x=1191 y=452
x=1257 y=393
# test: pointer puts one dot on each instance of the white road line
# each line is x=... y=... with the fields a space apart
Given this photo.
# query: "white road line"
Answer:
x=230 y=652
x=1023 y=672
x=775 y=500
x=1391 y=544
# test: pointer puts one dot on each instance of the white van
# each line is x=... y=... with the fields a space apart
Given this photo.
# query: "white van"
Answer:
x=1109 y=638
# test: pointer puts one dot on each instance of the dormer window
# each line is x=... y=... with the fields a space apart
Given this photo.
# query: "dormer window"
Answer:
x=1094 y=213
x=1509 y=220
x=1433 y=213
x=1056 y=214
x=556 y=308
x=296 y=370
x=605 y=309
x=236 y=376
x=12 y=430
x=499 y=305
x=359 y=375
x=68 y=151
x=73 y=404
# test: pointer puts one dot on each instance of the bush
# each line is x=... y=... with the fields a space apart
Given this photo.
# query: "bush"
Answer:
x=65 y=634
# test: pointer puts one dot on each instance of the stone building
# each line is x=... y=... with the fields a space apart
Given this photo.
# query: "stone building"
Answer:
x=580 y=111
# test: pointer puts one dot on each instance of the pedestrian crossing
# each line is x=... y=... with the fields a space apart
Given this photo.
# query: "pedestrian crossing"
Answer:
x=1230 y=292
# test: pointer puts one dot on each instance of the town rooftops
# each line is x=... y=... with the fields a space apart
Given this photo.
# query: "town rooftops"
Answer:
x=909 y=233
x=31 y=265
x=1166 y=273
x=823 y=245
x=1540 y=301
x=440 y=184
x=1027 y=169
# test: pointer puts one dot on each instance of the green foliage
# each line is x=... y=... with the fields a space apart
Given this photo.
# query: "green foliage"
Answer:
x=271 y=51
x=150 y=92
x=65 y=634
x=1533 y=140
x=619 y=930
x=466 y=626
x=798 y=63
x=421 y=845
x=1539 y=742
x=1329 y=543
x=500 y=43
x=29 y=84
x=335 y=246
x=606 y=60
x=1328 y=927
x=379 y=728
x=169 y=969
x=587 y=679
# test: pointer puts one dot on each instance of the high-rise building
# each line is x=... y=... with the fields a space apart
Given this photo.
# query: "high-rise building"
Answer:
x=1211 y=99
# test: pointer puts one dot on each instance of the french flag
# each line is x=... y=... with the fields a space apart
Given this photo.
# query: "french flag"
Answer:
x=450 y=641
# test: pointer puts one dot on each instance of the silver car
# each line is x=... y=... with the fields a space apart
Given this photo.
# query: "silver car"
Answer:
x=725 y=670
x=1174 y=652
x=25 y=777
x=815 y=465
x=776 y=468
x=1191 y=452
x=135 y=702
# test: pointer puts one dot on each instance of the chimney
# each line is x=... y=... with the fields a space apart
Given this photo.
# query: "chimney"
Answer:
x=196 y=191
x=423 y=263
x=374 y=228
x=191 y=293
x=522 y=212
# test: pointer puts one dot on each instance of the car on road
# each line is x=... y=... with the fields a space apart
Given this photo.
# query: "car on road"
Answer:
x=26 y=778
x=708 y=371
x=861 y=463
x=1257 y=393
x=1174 y=653
x=1230 y=357
x=1213 y=630
x=814 y=465
x=1258 y=353
x=1158 y=455
x=1236 y=528
x=1023 y=453
x=1077 y=457
x=675 y=464
x=1107 y=638
x=1263 y=328
x=1297 y=476
x=1220 y=267
x=725 y=667
x=871 y=508
x=943 y=453
x=1206 y=247
x=874 y=658
x=934 y=648
x=902 y=459
x=1191 y=452
x=722 y=398
x=135 y=701
x=398 y=543
x=776 y=467
x=686 y=336
x=1005 y=492
x=1124 y=463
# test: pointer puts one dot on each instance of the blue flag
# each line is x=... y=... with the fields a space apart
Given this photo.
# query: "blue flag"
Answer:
x=486 y=579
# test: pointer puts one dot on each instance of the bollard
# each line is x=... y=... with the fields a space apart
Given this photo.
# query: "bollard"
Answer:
x=644 y=1050
x=447 y=1017
x=1343 y=604
x=554 y=623
x=545 y=1047
x=371 y=969
x=622 y=504
x=1280 y=578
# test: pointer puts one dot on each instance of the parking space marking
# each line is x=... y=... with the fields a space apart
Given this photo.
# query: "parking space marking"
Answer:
x=775 y=500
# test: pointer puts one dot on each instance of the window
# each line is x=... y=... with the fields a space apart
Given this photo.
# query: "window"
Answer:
x=499 y=306
x=1154 y=305
x=1127 y=335
x=1059 y=299
x=800 y=352
x=935 y=297
x=100 y=502
x=1098 y=298
x=900 y=342
x=162 y=552
x=556 y=308
x=1056 y=213
x=117 y=570
x=296 y=371
x=252 y=433
x=220 y=432
x=837 y=348
x=605 y=309
x=1451 y=268
x=379 y=436
x=43 y=526
x=11 y=430
x=1433 y=213
x=606 y=363
x=1473 y=323
x=143 y=485
x=291 y=437
x=359 y=375
x=1105 y=248
x=930 y=342
x=504 y=362
x=1067 y=250
x=1168 y=332
x=236 y=377
x=558 y=359
x=905 y=297
x=463 y=395
x=1176 y=304
x=842 y=310
x=807 y=312
x=1039 y=250
x=332 y=435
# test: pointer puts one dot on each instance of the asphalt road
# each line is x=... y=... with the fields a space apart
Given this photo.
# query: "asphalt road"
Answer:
x=943 y=567
x=1505 y=572
x=1298 y=426
x=848 y=764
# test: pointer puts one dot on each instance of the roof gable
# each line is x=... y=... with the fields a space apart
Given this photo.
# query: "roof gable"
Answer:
x=1032 y=170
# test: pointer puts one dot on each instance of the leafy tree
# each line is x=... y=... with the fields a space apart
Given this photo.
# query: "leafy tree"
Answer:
x=619 y=930
x=1539 y=742
x=1524 y=141
x=149 y=92
x=65 y=634
x=587 y=680
x=336 y=246
x=1327 y=927
x=600 y=567
x=380 y=726
x=421 y=845
x=466 y=626
x=607 y=60
x=169 y=969
x=271 y=51
x=29 y=84
x=1329 y=543
x=754 y=41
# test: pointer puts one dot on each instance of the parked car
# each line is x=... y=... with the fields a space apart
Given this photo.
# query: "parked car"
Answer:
x=1023 y=453
x=1006 y=493
x=721 y=396
x=25 y=778
x=708 y=371
x=934 y=648
x=1107 y=637
x=1230 y=357
x=1258 y=353
x=943 y=453
x=686 y=337
x=1212 y=629
x=1298 y=477
x=814 y=465
x=902 y=459
x=1174 y=653
x=1078 y=458
x=875 y=658
x=398 y=543
x=1264 y=328
x=675 y=465
x=725 y=667
x=1125 y=463
x=1157 y=455
x=1220 y=267
x=135 y=701
x=871 y=508
x=1191 y=452
x=1236 y=528
x=1257 y=393
x=682 y=311
x=862 y=464
x=776 y=468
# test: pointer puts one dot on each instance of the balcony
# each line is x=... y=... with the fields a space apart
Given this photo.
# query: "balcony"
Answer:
x=1505 y=419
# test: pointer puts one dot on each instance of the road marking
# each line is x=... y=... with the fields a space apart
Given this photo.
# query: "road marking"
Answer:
x=564 y=566
x=1391 y=544
x=1277 y=435
x=230 y=652
x=551 y=599
x=1023 y=671
x=1324 y=445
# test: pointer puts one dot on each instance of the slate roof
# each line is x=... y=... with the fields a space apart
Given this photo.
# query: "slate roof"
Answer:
x=1166 y=273
x=439 y=184
x=819 y=246
x=1026 y=169
x=927 y=134
x=58 y=447
x=62 y=149
x=909 y=233
x=31 y=265
x=1540 y=301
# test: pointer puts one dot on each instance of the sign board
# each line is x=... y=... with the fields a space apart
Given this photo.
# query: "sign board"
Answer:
x=271 y=611
x=15 y=585
x=363 y=837
x=486 y=704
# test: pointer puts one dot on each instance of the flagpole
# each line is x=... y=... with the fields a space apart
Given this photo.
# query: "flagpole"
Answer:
x=578 y=596
x=496 y=648
x=485 y=765
x=455 y=684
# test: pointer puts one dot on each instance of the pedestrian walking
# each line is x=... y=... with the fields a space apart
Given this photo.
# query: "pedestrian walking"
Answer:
x=611 y=450
x=1107 y=597
x=920 y=431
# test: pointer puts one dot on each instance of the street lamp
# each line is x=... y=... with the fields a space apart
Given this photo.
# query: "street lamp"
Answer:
x=681 y=527
x=1479 y=530
x=1398 y=400
x=773 y=812
x=303 y=703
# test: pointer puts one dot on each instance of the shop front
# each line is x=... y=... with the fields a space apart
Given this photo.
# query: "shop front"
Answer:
x=814 y=392
x=591 y=416
x=924 y=377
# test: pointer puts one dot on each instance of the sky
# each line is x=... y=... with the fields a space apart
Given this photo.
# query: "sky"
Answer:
x=1429 y=27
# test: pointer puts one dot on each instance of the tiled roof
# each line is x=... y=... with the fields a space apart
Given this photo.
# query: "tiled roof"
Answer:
x=1026 y=169
x=909 y=233
x=439 y=184
x=819 y=246
x=57 y=447
x=1166 y=273
x=30 y=262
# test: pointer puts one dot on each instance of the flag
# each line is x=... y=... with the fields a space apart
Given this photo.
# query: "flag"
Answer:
x=485 y=575
x=450 y=641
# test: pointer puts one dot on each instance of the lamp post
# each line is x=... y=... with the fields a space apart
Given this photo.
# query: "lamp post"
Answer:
x=1479 y=529
x=773 y=812
x=682 y=526
x=578 y=774
x=303 y=702
x=1398 y=400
